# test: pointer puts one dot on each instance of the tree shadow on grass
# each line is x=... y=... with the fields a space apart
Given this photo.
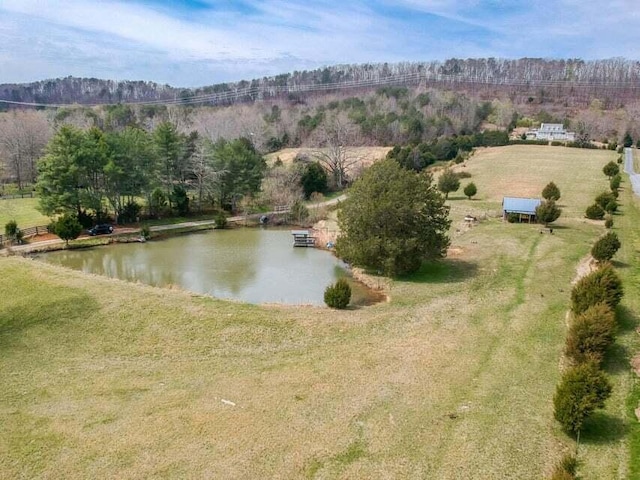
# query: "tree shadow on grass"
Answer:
x=619 y=264
x=449 y=270
x=626 y=318
x=616 y=358
x=601 y=428
x=17 y=319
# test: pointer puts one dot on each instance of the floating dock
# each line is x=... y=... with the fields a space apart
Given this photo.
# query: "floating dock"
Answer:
x=302 y=238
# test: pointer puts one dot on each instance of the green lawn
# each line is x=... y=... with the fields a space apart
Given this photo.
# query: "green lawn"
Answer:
x=23 y=211
x=451 y=379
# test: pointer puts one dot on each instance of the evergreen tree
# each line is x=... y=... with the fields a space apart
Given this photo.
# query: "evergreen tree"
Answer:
x=551 y=192
x=393 y=220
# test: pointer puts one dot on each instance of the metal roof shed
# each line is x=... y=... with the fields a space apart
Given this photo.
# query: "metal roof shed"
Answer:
x=525 y=208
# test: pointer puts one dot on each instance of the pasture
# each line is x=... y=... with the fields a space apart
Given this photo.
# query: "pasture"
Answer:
x=451 y=379
x=23 y=211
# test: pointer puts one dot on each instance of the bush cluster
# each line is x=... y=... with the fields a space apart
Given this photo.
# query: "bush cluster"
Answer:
x=607 y=201
x=594 y=212
x=590 y=334
x=338 y=295
x=221 y=220
x=601 y=286
x=584 y=387
x=606 y=246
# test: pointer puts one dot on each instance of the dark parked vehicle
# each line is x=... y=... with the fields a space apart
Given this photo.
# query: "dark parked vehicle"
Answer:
x=102 y=229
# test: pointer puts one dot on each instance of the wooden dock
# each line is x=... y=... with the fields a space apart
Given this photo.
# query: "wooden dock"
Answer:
x=302 y=238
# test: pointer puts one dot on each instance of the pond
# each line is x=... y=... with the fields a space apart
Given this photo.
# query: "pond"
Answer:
x=251 y=265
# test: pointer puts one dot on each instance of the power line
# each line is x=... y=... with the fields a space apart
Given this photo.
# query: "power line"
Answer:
x=257 y=92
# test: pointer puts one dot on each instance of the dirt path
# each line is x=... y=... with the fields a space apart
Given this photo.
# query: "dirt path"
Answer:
x=34 y=245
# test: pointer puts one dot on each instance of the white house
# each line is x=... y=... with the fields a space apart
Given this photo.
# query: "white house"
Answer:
x=551 y=132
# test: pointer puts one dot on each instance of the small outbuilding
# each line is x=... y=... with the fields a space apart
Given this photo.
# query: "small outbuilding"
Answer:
x=525 y=208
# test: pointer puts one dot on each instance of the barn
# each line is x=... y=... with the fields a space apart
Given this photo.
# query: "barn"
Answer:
x=525 y=208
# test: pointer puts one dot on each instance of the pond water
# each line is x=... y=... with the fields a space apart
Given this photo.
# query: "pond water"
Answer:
x=251 y=265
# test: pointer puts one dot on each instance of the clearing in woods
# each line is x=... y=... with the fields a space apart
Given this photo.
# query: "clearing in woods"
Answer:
x=451 y=379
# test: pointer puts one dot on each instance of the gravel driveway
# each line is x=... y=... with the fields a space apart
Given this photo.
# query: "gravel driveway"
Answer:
x=628 y=168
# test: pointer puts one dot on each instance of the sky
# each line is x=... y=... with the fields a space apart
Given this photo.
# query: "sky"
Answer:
x=202 y=42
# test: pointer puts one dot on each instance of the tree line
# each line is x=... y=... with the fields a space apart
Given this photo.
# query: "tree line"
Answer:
x=90 y=172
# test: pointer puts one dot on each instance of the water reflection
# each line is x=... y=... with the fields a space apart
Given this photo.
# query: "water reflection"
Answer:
x=252 y=265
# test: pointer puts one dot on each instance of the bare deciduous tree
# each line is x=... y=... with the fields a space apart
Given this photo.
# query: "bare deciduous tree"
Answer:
x=338 y=155
x=281 y=186
x=23 y=136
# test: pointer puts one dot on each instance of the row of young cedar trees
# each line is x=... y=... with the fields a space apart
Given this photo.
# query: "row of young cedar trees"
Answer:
x=584 y=387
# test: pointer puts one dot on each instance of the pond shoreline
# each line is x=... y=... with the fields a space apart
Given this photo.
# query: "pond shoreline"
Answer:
x=255 y=266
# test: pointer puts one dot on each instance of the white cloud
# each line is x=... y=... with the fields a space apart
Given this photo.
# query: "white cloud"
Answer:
x=120 y=39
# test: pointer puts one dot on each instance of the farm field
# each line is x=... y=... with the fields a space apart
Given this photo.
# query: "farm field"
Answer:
x=452 y=378
x=365 y=155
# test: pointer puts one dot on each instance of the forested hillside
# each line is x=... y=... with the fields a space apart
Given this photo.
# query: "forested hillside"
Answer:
x=574 y=79
x=355 y=105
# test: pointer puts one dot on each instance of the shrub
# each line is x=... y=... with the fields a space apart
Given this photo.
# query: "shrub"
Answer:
x=299 y=212
x=180 y=200
x=605 y=198
x=565 y=469
x=590 y=334
x=338 y=295
x=513 y=218
x=582 y=389
x=600 y=286
x=611 y=169
x=463 y=174
x=611 y=207
x=314 y=179
x=145 y=232
x=158 y=201
x=614 y=182
x=547 y=212
x=551 y=192
x=11 y=229
x=130 y=213
x=595 y=212
x=608 y=221
x=470 y=190
x=85 y=219
x=221 y=220
x=605 y=247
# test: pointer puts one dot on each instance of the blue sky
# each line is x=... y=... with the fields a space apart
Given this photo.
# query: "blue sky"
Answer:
x=201 y=42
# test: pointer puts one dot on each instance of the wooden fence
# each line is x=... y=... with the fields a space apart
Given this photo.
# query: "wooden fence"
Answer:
x=27 y=232
x=17 y=195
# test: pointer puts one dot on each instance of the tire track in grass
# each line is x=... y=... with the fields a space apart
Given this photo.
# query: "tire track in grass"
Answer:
x=473 y=394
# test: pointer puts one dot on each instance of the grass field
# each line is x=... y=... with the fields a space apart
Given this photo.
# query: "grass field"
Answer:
x=451 y=379
x=23 y=211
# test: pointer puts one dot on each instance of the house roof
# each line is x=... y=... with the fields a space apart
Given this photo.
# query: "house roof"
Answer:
x=552 y=127
x=520 y=205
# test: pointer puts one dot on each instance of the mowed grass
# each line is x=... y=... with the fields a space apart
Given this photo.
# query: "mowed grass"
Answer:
x=23 y=211
x=451 y=379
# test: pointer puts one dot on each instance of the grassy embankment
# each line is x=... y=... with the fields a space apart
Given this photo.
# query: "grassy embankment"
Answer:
x=451 y=379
